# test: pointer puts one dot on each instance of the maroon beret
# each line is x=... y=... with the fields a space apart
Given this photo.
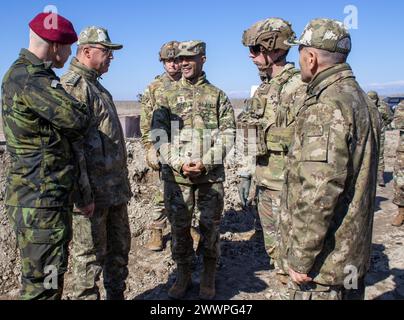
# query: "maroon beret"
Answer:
x=54 y=28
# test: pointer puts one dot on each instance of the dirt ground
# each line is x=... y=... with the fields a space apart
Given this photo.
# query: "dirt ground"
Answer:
x=243 y=269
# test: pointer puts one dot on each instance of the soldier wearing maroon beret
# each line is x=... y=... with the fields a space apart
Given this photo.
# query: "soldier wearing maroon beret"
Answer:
x=41 y=123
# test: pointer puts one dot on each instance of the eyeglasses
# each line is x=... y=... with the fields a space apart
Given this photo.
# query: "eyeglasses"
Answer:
x=255 y=49
x=107 y=51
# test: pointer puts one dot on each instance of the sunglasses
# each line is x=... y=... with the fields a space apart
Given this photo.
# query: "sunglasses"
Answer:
x=255 y=49
x=104 y=50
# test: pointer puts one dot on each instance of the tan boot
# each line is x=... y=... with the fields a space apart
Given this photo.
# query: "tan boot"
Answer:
x=196 y=237
x=208 y=279
x=183 y=282
x=156 y=240
x=399 y=219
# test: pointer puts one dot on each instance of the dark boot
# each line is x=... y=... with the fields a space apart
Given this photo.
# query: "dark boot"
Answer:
x=208 y=279
x=380 y=179
x=183 y=282
x=115 y=296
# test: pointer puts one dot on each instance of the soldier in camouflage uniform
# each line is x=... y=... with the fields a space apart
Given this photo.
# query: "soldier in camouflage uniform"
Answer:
x=328 y=199
x=399 y=167
x=41 y=122
x=156 y=89
x=387 y=116
x=272 y=110
x=101 y=243
x=196 y=128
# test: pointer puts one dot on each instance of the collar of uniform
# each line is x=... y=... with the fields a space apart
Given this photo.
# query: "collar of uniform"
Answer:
x=79 y=68
x=34 y=60
x=201 y=81
x=286 y=68
x=327 y=77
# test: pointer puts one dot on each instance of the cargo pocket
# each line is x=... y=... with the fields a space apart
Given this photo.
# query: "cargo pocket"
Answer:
x=315 y=144
x=28 y=236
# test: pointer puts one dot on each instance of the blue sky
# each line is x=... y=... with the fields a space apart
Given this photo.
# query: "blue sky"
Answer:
x=143 y=26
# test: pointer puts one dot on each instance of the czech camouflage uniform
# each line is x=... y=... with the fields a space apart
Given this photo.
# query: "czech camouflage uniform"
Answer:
x=387 y=117
x=152 y=94
x=399 y=166
x=101 y=243
x=40 y=122
x=328 y=199
x=272 y=110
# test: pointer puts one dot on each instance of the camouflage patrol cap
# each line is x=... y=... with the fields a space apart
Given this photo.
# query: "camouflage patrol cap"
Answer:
x=373 y=95
x=326 y=34
x=191 y=48
x=270 y=33
x=169 y=50
x=97 y=35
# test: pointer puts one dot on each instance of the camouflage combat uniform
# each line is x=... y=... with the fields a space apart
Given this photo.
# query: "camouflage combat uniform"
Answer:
x=101 y=243
x=399 y=166
x=273 y=107
x=41 y=121
x=152 y=94
x=387 y=117
x=198 y=109
x=329 y=193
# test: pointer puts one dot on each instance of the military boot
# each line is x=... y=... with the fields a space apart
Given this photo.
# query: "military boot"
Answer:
x=196 y=237
x=115 y=296
x=156 y=240
x=399 y=219
x=183 y=282
x=380 y=180
x=208 y=279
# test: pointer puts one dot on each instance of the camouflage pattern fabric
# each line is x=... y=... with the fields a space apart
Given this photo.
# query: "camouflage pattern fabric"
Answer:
x=105 y=240
x=43 y=237
x=268 y=205
x=203 y=115
x=40 y=122
x=274 y=106
x=399 y=165
x=314 y=291
x=97 y=35
x=387 y=117
x=154 y=93
x=198 y=108
x=181 y=201
x=329 y=193
x=325 y=34
x=105 y=172
x=101 y=244
x=270 y=33
x=169 y=51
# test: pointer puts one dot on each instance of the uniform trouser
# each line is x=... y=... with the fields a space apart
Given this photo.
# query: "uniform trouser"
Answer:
x=159 y=211
x=101 y=244
x=315 y=291
x=181 y=201
x=382 y=165
x=43 y=237
x=268 y=206
x=160 y=214
x=399 y=179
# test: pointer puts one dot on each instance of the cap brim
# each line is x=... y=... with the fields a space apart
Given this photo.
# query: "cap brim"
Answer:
x=186 y=54
x=113 y=46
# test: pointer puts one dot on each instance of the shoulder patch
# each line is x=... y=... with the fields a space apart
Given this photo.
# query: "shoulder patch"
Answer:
x=72 y=79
